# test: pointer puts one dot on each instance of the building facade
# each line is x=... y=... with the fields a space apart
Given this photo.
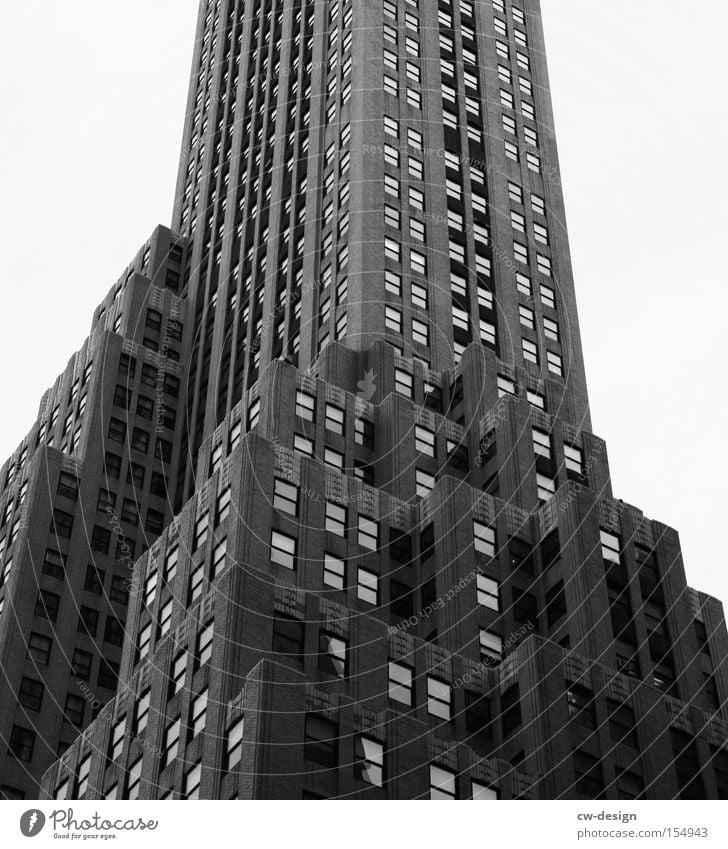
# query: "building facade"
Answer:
x=390 y=564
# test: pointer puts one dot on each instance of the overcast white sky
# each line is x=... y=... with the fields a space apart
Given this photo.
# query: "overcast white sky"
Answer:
x=94 y=97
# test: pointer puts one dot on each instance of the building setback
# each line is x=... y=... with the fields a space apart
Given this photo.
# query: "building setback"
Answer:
x=390 y=563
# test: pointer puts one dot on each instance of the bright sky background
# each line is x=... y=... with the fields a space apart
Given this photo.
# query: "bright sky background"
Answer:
x=93 y=103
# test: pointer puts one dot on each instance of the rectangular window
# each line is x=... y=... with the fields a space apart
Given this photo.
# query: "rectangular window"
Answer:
x=283 y=550
x=484 y=539
x=234 y=745
x=555 y=363
x=491 y=647
x=334 y=571
x=368 y=533
x=541 y=443
x=321 y=741
x=488 y=592
x=439 y=698
x=285 y=497
x=332 y=655
x=400 y=683
x=305 y=406
x=530 y=351
x=335 y=519
x=367 y=586
x=442 y=783
x=369 y=761
x=424 y=441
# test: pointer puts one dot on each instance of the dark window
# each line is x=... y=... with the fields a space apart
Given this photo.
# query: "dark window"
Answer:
x=511 y=709
x=171 y=385
x=687 y=765
x=94 y=582
x=129 y=512
x=122 y=397
x=525 y=607
x=47 y=605
x=88 y=621
x=588 y=775
x=581 y=705
x=74 y=709
x=22 y=743
x=550 y=549
x=520 y=554
x=149 y=375
x=39 y=648
x=630 y=785
x=400 y=546
x=127 y=366
x=117 y=430
x=155 y=522
x=321 y=741
x=54 y=564
x=119 y=590
x=62 y=524
x=154 y=320
x=140 y=440
x=82 y=662
x=113 y=465
x=427 y=543
x=158 y=486
x=68 y=486
x=622 y=724
x=164 y=451
x=288 y=636
x=108 y=674
x=478 y=715
x=135 y=475
x=100 y=539
x=401 y=604
x=555 y=603
x=114 y=631
x=30 y=695
x=145 y=407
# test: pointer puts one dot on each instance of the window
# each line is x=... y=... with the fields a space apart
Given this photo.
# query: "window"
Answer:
x=535 y=399
x=222 y=506
x=580 y=705
x=610 y=547
x=68 y=486
x=22 y=743
x=393 y=319
x=74 y=709
x=369 y=761
x=530 y=351
x=335 y=417
x=305 y=406
x=198 y=714
x=285 y=497
x=62 y=524
x=191 y=788
x=234 y=745
x=47 y=605
x=487 y=591
x=332 y=655
x=403 y=382
x=573 y=461
x=424 y=483
x=203 y=651
x=420 y=332
x=424 y=441
x=483 y=792
x=321 y=741
x=116 y=744
x=81 y=666
x=368 y=533
x=588 y=775
x=555 y=363
x=54 y=564
x=400 y=683
x=484 y=539
x=367 y=586
x=283 y=550
x=491 y=646
x=334 y=571
x=202 y=526
x=541 y=443
x=442 y=783
x=439 y=698
x=30 y=694
x=335 y=519
x=171 y=743
x=288 y=636
x=39 y=648
x=546 y=487
x=622 y=724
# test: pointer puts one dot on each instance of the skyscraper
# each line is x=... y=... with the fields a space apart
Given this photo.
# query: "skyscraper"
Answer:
x=396 y=567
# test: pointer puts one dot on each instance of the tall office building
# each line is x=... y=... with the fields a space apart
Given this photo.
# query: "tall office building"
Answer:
x=396 y=568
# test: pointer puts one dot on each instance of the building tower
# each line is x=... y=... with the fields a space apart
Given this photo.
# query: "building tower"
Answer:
x=396 y=568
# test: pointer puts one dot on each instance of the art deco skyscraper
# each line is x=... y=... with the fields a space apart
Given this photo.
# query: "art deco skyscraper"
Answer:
x=396 y=567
